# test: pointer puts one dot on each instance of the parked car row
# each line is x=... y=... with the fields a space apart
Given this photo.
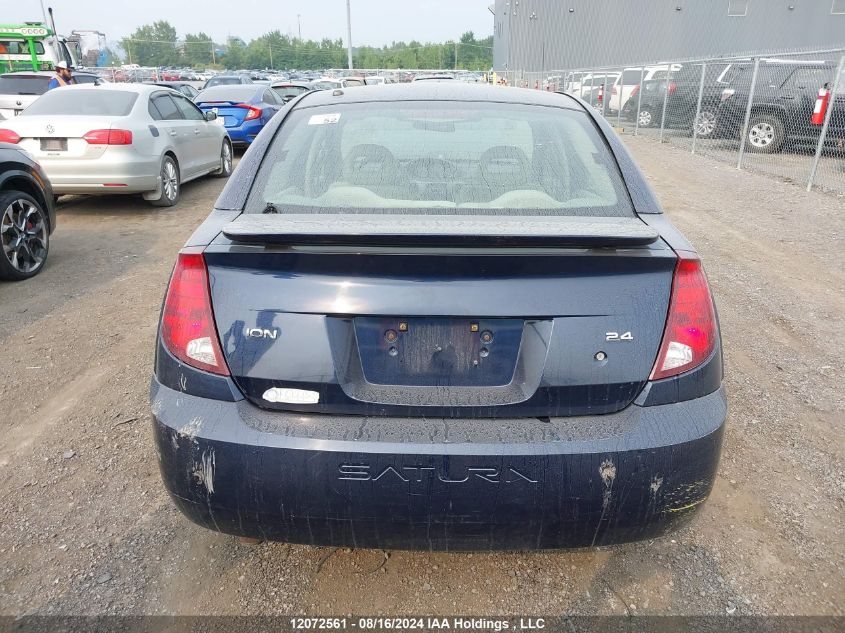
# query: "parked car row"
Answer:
x=98 y=137
x=782 y=105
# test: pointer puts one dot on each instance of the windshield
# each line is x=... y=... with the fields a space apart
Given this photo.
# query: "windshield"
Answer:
x=439 y=155
x=17 y=85
x=83 y=102
x=19 y=47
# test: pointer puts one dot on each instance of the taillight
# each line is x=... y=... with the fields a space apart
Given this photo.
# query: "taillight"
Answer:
x=727 y=93
x=691 y=333
x=8 y=136
x=254 y=113
x=187 y=322
x=108 y=137
x=635 y=90
x=672 y=87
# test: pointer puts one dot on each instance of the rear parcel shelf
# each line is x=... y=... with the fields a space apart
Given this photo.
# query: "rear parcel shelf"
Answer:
x=382 y=229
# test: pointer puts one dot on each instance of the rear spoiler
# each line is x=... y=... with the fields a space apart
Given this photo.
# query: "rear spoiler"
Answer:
x=379 y=229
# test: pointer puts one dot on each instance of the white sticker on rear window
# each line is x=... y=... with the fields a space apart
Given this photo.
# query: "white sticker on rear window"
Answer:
x=323 y=119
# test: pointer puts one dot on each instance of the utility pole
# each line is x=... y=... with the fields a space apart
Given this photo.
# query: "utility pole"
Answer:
x=270 y=46
x=299 y=25
x=456 y=54
x=349 y=33
x=213 y=56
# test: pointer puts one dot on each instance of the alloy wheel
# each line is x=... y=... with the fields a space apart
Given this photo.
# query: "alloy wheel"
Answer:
x=645 y=118
x=170 y=180
x=23 y=233
x=705 y=124
x=226 y=158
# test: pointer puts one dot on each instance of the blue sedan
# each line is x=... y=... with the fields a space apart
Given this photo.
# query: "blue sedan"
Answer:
x=244 y=109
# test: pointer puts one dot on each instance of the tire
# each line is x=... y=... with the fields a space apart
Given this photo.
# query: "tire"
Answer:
x=646 y=118
x=765 y=134
x=704 y=125
x=225 y=169
x=171 y=184
x=24 y=236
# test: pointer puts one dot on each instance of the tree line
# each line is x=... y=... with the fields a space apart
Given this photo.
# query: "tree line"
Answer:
x=157 y=44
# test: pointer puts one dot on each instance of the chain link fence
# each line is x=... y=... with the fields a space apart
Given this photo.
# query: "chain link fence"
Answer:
x=783 y=115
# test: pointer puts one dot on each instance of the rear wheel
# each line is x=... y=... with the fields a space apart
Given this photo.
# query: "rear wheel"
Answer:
x=704 y=125
x=171 y=187
x=24 y=235
x=225 y=169
x=646 y=118
x=765 y=134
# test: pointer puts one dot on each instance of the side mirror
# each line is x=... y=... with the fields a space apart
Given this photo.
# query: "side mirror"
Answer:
x=210 y=116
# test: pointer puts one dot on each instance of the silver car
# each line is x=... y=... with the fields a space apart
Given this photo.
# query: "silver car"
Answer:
x=128 y=138
x=19 y=89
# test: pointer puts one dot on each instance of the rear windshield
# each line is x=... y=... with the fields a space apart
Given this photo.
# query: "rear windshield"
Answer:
x=224 y=81
x=238 y=93
x=410 y=157
x=93 y=102
x=16 y=85
x=289 y=91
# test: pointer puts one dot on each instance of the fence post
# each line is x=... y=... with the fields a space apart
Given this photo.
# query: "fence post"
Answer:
x=826 y=123
x=589 y=94
x=605 y=97
x=748 y=113
x=621 y=95
x=698 y=107
x=639 y=102
x=665 y=100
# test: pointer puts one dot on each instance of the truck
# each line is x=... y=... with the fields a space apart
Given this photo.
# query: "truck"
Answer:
x=34 y=46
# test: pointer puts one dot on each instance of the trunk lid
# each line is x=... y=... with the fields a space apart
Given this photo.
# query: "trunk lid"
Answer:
x=60 y=137
x=537 y=324
x=232 y=112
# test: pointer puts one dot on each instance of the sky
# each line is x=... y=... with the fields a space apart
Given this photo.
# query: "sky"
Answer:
x=374 y=22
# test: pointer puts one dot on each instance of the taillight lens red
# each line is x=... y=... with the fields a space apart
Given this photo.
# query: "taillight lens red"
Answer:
x=187 y=322
x=8 y=136
x=672 y=87
x=691 y=332
x=108 y=137
x=635 y=90
x=253 y=113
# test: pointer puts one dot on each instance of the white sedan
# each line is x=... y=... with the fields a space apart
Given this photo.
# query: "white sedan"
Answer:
x=124 y=138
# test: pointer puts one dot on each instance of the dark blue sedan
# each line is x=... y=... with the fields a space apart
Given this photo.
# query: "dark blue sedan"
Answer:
x=438 y=316
x=244 y=109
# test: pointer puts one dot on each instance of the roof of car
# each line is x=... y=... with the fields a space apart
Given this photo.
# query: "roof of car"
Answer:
x=436 y=91
x=299 y=84
x=137 y=88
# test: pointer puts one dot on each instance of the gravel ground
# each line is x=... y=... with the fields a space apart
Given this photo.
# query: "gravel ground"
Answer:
x=87 y=528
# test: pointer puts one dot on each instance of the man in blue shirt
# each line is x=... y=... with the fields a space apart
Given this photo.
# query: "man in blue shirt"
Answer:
x=63 y=77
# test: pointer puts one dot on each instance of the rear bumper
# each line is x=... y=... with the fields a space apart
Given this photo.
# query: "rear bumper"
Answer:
x=245 y=133
x=406 y=483
x=101 y=175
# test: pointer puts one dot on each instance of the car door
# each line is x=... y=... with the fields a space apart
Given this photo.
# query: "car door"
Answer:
x=180 y=132
x=837 y=116
x=798 y=95
x=205 y=147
